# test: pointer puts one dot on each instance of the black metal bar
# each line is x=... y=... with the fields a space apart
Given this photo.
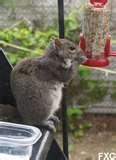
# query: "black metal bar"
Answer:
x=42 y=147
x=61 y=18
x=65 y=122
x=6 y=96
x=55 y=150
x=64 y=104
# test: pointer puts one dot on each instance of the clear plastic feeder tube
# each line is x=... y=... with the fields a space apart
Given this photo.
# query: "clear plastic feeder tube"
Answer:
x=16 y=141
x=95 y=27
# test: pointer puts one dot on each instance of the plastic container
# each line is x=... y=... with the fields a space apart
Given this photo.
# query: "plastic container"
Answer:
x=16 y=141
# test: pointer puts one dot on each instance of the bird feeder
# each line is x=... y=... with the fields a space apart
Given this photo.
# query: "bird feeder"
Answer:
x=95 y=39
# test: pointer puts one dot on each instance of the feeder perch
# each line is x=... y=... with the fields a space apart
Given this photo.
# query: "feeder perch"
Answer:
x=95 y=40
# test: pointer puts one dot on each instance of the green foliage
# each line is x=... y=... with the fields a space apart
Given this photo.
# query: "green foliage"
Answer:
x=93 y=91
x=76 y=126
x=8 y=3
x=71 y=147
x=32 y=41
x=82 y=128
x=86 y=91
x=75 y=112
x=83 y=71
x=113 y=92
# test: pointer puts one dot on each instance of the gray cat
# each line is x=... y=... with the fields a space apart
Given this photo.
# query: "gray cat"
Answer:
x=37 y=83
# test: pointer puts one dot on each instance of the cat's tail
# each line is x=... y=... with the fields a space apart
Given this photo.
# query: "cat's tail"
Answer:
x=9 y=113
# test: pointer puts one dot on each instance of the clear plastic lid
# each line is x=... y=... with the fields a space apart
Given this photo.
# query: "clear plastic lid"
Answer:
x=18 y=134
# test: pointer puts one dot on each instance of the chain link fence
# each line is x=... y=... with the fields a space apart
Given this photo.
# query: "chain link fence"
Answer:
x=41 y=13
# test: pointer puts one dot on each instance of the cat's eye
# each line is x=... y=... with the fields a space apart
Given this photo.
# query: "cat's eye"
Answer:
x=72 y=48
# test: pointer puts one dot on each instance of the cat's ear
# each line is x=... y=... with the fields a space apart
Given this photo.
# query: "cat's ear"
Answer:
x=56 y=42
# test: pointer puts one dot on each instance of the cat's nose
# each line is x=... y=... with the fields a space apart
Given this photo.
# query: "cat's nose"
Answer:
x=82 y=59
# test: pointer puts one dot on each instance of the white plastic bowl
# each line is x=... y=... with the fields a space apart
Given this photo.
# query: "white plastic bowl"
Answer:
x=16 y=141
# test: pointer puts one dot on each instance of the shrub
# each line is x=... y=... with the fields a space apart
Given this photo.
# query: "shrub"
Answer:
x=76 y=125
x=23 y=41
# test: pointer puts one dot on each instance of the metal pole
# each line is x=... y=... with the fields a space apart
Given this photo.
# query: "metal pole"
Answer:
x=61 y=18
x=64 y=104
x=65 y=122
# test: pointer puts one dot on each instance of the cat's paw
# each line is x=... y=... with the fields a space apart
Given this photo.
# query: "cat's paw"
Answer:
x=55 y=119
x=47 y=125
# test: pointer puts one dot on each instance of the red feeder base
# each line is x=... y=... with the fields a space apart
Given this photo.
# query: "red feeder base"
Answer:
x=103 y=62
x=98 y=3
